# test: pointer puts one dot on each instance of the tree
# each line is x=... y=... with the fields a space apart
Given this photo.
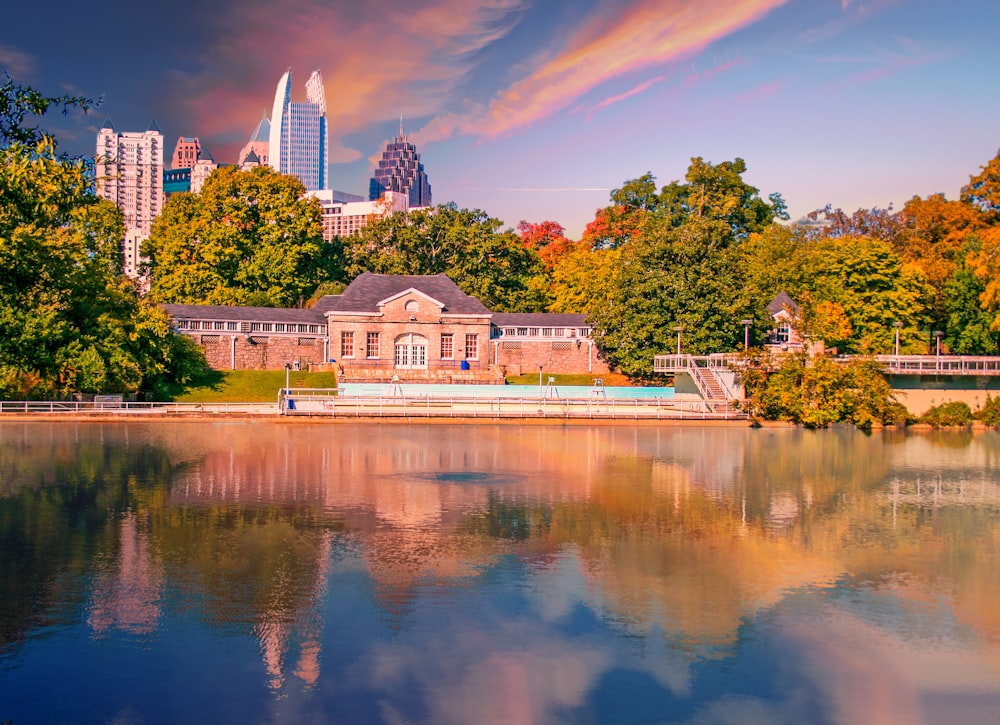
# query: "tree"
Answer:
x=983 y=189
x=249 y=238
x=548 y=239
x=616 y=225
x=683 y=268
x=69 y=321
x=494 y=266
x=868 y=284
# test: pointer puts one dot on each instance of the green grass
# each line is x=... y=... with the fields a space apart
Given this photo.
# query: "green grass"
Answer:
x=248 y=386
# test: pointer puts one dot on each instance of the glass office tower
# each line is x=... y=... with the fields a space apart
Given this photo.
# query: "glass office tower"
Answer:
x=299 y=139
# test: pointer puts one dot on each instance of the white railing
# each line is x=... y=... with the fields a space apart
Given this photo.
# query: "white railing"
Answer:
x=891 y=364
x=301 y=402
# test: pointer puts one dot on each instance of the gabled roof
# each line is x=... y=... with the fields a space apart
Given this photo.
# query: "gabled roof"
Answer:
x=153 y=126
x=251 y=158
x=539 y=319
x=781 y=302
x=205 y=155
x=403 y=293
x=367 y=290
x=108 y=124
x=244 y=314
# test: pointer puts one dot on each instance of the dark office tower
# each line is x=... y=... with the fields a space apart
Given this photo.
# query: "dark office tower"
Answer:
x=400 y=170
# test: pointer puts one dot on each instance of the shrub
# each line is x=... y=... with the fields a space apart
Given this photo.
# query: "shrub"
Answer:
x=955 y=413
x=989 y=414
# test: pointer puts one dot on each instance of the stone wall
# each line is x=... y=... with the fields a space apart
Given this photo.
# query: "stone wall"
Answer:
x=517 y=357
x=260 y=352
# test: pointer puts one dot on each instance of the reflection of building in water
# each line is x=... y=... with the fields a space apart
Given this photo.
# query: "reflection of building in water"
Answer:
x=126 y=595
x=279 y=630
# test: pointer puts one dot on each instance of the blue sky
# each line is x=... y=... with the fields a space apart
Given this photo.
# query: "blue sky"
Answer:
x=536 y=110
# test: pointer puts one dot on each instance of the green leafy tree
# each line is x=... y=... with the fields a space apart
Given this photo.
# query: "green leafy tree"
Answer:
x=249 y=238
x=492 y=265
x=684 y=269
x=969 y=327
x=69 y=321
x=865 y=280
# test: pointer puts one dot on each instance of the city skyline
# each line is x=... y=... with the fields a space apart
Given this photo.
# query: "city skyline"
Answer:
x=538 y=110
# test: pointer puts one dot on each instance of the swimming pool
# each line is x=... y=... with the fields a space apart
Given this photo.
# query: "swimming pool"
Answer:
x=442 y=390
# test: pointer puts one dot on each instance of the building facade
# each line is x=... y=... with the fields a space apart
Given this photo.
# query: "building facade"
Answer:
x=400 y=170
x=299 y=141
x=393 y=327
x=253 y=338
x=411 y=328
x=129 y=173
x=186 y=152
x=346 y=214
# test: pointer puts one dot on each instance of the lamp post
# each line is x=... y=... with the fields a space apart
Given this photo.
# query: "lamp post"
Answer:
x=288 y=367
x=679 y=329
x=938 y=334
x=898 y=325
x=746 y=334
x=539 y=381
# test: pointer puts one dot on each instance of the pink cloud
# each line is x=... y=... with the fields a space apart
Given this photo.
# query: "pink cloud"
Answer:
x=610 y=101
x=761 y=92
x=378 y=59
x=644 y=34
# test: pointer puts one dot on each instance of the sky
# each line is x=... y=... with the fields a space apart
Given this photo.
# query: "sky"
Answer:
x=537 y=110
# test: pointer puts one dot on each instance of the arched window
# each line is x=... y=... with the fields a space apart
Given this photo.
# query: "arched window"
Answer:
x=410 y=351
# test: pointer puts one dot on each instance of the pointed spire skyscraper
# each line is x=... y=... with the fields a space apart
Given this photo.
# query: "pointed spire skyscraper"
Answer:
x=299 y=141
x=400 y=170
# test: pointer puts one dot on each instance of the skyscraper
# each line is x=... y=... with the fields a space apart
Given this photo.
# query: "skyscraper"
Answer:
x=299 y=141
x=129 y=172
x=400 y=170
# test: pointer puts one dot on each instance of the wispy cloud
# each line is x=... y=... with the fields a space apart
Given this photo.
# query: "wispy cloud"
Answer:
x=642 y=87
x=19 y=64
x=540 y=189
x=378 y=59
x=627 y=37
x=887 y=63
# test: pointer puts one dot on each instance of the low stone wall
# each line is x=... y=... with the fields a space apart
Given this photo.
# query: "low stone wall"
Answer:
x=260 y=352
x=517 y=357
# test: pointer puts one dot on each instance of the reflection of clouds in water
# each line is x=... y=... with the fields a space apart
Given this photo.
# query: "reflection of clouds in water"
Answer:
x=515 y=672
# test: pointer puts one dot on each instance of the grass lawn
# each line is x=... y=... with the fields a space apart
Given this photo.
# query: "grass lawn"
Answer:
x=248 y=386
x=586 y=380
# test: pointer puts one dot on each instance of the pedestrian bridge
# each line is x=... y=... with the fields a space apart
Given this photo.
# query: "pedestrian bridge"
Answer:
x=714 y=375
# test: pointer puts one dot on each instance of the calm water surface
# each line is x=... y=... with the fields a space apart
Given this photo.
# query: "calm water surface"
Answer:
x=328 y=573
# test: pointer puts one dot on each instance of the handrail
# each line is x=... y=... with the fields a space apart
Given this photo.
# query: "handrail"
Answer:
x=329 y=404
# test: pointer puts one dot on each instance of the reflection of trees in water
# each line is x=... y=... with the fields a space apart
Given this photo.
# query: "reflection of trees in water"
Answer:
x=63 y=500
x=686 y=529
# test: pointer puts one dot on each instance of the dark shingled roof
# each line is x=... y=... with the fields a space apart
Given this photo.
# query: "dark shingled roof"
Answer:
x=243 y=314
x=368 y=289
x=538 y=319
x=781 y=302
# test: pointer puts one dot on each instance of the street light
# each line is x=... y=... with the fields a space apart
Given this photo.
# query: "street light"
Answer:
x=746 y=333
x=938 y=334
x=679 y=329
x=898 y=325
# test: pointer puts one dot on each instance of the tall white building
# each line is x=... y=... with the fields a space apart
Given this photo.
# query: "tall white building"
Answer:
x=129 y=169
x=299 y=141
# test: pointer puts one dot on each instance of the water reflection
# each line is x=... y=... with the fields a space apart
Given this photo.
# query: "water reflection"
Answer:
x=508 y=573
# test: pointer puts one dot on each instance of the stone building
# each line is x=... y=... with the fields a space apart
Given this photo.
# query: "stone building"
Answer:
x=411 y=328
x=253 y=338
x=529 y=342
x=385 y=327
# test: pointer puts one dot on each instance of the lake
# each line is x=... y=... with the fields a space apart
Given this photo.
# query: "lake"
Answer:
x=275 y=572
